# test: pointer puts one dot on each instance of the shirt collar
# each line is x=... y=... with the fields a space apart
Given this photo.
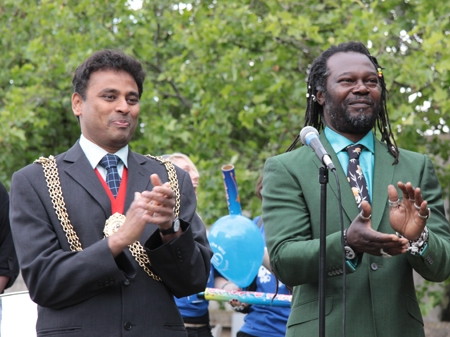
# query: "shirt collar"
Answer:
x=339 y=142
x=95 y=153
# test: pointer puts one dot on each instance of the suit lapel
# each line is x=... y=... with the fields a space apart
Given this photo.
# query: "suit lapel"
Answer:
x=383 y=175
x=138 y=176
x=348 y=200
x=76 y=166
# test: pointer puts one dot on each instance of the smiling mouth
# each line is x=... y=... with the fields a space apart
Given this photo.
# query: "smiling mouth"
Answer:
x=121 y=123
x=360 y=103
x=360 y=106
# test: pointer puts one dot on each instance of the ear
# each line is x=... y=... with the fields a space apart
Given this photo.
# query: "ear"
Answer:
x=77 y=102
x=320 y=97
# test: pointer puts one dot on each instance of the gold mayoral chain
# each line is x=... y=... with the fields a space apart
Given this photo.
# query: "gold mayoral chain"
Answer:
x=114 y=222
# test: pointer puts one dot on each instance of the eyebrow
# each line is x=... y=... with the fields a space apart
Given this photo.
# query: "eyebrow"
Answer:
x=115 y=91
x=347 y=73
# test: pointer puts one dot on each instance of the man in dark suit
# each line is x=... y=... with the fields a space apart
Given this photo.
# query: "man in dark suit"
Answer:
x=104 y=250
x=9 y=268
x=394 y=222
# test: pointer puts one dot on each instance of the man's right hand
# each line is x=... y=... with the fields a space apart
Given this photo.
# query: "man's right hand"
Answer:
x=137 y=217
x=362 y=238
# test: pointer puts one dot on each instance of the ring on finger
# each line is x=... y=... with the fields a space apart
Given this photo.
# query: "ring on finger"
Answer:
x=383 y=253
x=395 y=203
x=424 y=217
x=416 y=207
x=365 y=218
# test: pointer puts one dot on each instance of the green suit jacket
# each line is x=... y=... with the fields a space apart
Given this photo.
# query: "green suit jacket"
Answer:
x=380 y=294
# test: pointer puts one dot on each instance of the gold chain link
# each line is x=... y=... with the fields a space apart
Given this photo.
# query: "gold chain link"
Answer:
x=172 y=175
x=141 y=257
x=54 y=187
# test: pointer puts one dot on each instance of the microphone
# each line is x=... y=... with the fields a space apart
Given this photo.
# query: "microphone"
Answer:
x=310 y=137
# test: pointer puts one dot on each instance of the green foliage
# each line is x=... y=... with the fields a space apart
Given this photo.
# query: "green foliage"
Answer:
x=226 y=79
x=432 y=295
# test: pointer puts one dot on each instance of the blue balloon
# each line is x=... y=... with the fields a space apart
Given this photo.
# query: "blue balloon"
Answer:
x=238 y=247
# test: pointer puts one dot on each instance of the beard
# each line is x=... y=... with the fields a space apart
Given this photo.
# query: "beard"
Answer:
x=358 y=121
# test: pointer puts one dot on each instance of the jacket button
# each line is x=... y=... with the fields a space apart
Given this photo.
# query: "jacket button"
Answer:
x=374 y=266
x=127 y=326
x=126 y=282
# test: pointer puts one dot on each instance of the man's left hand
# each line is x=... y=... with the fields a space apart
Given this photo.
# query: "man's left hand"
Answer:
x=409 y=215
x=161 y=202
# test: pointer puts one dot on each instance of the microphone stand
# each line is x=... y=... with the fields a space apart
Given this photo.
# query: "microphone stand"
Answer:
x=323 y=180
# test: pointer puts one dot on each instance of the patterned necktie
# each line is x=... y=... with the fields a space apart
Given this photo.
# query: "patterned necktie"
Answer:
x=355 y=175
x=109 y=162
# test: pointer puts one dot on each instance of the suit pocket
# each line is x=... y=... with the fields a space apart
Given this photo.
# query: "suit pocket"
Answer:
x=413 y=309
x=309 y=311
x=59 y=332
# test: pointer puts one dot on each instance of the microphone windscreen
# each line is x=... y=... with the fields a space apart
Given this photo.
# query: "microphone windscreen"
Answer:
x=305 y=131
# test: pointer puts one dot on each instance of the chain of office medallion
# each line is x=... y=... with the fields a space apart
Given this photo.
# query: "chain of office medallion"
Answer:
x=54 y=188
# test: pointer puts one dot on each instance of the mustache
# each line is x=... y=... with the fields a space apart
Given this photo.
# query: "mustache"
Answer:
x=352 y=101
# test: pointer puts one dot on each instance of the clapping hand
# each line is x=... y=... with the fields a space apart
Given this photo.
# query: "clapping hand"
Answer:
x=408 y=216
x=362 y=238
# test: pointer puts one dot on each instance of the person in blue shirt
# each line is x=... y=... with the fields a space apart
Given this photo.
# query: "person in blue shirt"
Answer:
x=260 y=320
x=194 y=310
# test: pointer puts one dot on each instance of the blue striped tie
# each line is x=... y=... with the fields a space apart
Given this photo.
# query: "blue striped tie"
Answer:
x=109 y=162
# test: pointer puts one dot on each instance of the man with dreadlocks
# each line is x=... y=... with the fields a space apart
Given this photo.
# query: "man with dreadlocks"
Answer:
x=372 y=245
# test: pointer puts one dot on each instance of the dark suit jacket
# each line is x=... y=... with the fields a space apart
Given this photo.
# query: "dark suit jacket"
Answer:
x=9 y=266
x=90 y=293
x=381 y=299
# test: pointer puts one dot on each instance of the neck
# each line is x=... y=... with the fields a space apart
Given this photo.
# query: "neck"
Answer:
x=353 y=137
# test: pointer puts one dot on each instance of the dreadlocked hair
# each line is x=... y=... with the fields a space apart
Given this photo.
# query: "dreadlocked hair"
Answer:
x=317 y=80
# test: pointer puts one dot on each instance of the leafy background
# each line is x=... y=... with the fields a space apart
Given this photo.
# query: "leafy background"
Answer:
x=226 y=80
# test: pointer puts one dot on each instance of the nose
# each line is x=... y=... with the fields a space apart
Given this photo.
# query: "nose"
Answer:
x=122 y=106
x=360 y=87
x=195 y=179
